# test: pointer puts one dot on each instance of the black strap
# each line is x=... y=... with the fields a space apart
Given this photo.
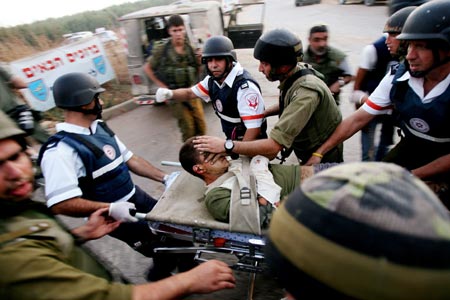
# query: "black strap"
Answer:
x=289 y=82
x=287 y=85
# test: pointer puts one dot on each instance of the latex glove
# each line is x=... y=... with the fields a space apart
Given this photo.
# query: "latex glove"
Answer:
x=170 y=178
x=163 y=94
x=357 y=97
x=120 y=211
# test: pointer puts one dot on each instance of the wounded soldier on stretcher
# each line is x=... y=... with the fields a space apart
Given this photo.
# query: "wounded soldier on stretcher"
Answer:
x=273 y=182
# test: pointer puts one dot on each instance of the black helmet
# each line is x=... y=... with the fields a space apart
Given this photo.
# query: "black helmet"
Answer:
x=218 y=46
x=430 y=21
x=278 y=47
x=75 y=89
x=395 y=22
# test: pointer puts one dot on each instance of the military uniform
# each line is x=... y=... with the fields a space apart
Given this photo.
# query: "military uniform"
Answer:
x=180 y=71
x=309 y=116
x=36 y=252
x=217 y=200
x=330 y=65
x=11 y=104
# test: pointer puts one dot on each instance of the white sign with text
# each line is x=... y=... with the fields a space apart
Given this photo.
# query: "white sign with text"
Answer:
x=40 y=71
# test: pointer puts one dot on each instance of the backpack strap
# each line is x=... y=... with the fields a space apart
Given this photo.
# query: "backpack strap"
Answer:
x=244 y=209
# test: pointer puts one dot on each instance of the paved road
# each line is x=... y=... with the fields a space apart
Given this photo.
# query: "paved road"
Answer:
x=151 y=132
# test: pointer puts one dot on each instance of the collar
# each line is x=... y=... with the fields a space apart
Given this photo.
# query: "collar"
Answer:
x=235 y=71
x=69 y=127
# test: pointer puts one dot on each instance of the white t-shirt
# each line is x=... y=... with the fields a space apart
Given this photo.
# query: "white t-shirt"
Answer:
x=379 y=101
x=250 y=102
x=62 y=166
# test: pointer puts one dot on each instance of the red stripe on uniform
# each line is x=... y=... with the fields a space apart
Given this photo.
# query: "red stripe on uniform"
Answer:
x=377 y=107
x=244 y=118
x=202 y=89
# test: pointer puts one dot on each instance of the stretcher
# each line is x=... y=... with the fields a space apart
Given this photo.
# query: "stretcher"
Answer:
x=181 y=213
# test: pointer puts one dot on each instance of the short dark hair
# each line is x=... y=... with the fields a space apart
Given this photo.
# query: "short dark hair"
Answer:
x=318 y=28
x=175 y=21
x=189 y=156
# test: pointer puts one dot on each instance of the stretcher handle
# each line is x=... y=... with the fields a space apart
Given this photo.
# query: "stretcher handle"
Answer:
x=134 y=213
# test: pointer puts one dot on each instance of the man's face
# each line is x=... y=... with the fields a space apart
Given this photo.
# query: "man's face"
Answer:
x=318 y=42
x=16 y=172
x=219 y=167
x=420 y=57
x=217 y=66
x=392 y=43
x=266 y=69
x=177 y=33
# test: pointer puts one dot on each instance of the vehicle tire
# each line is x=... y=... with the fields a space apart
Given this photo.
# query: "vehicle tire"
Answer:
x=369 y=2
x=342 y=1
x=297 y=4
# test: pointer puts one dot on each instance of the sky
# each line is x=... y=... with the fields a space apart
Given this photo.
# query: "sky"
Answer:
x=18 y=12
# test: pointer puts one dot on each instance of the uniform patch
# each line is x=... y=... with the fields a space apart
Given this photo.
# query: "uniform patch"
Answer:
x=252 y=100
x=244 y=86
x=419 y=125
x=219 y=105
x=109 y=152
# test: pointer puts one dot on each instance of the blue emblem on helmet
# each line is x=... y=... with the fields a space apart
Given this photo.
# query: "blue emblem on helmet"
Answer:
x=100 y=64
x=38 y=89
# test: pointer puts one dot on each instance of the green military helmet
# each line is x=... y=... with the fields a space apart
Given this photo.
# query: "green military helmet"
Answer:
x=218 y=46
x=364 y=230
x=73 y=90
x=278 y=47
x=396 y=22
x=430 y=21
x=8 y=128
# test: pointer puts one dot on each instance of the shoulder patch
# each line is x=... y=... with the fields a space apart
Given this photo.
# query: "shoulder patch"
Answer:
x=394 y=69
x=244 y=85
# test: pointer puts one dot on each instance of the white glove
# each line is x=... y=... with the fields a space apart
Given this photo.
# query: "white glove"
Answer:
x=170 y=178
x=120 y=211
x=163 y=94
x=357 y=97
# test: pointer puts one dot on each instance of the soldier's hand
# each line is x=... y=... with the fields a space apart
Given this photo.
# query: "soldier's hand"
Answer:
x=121 y=211
x=163 y=94
x=208 y=277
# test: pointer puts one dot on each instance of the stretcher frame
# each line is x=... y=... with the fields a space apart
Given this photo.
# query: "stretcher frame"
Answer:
x=181 y=214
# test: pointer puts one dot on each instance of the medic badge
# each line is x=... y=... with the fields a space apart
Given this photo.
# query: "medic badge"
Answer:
x=419 y=125
x=252 y=101
x=219 y=105
x=109 y=152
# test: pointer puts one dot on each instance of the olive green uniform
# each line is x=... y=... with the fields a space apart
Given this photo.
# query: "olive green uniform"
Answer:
x=180 y=71
x=39 y=260
x=328 y=65
x=217 y=200
x=9 y=101
x=309 y=117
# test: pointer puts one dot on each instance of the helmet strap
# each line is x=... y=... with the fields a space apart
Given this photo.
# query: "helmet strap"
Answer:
x=96 y=110
x=437 y=62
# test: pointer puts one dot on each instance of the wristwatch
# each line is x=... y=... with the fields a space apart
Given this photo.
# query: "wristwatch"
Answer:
x=229 y=146
x=341 y=82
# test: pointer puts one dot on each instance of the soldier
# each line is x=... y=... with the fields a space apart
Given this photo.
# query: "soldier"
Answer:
x=418 y=97
x=363 y=230
x=15 y=106
x=40 y=259
x=307 y=111
x=329 y=61
x=174 y=64
x=235 y=95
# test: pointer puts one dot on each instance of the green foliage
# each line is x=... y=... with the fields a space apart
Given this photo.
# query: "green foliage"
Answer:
x=54 y=28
